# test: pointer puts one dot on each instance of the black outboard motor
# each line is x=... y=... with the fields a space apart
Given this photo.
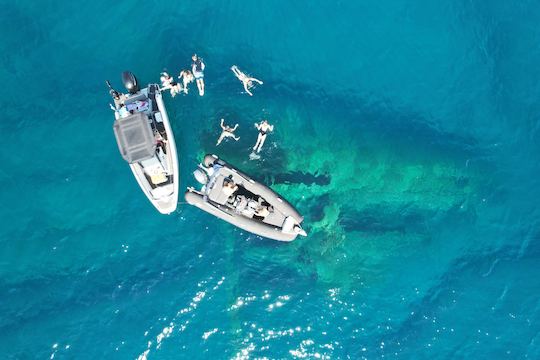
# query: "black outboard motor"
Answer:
x=130 y=82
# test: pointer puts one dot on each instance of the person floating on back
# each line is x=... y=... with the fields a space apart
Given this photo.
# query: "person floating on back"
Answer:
x=227 y=132
x=187 y=78
x=264 y=128
x=246 y=80
x=197 y=68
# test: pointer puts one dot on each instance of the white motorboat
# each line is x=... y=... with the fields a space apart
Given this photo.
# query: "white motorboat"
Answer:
x=145 y=140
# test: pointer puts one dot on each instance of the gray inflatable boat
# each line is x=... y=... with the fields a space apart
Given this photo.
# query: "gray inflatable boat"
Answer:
x=234 y=197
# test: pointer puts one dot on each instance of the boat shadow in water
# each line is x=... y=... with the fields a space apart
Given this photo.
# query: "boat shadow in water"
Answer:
x=297 y=177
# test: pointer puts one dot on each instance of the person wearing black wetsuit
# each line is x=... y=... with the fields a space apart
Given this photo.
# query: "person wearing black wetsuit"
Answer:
x=197 y=68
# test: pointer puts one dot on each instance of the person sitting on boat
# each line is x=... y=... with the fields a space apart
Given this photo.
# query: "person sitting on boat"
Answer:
x=241 y=204
x=167 y=82
x=245 y=206
x=262 y=211
x=122 y=110
x=246 y=80
x=197 y=68
x=262 y=208
x=160 y=141
x=229 y=187
x=187 y=78
x=264 y=128
x=118 y=98
x=227 y=132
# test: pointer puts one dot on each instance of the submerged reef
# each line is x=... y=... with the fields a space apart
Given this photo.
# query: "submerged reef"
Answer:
x=369 y=193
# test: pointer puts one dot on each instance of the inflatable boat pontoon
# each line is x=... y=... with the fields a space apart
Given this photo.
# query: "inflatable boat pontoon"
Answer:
x=234 y=197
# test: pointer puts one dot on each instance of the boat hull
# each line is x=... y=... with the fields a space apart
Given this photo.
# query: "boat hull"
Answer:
x=281 y=222
x=228 y=215
x=163 y=197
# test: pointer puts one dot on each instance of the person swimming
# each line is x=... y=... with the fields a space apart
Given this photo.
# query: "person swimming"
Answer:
x=264 y=128
x=227 y=132
x=187 y=78
x=167 y=82
x=246 y=80
x=197 y=68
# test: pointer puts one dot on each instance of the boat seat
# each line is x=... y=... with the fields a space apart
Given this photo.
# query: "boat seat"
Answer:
x=158 y=178
x=139 y=105
x=134 y=98
x=274 y=218
x=162 y=191
x=216 y=195
x=288 y=224
x=164 y=163
x=148 y=108
x=154 y=169
x=150 y=163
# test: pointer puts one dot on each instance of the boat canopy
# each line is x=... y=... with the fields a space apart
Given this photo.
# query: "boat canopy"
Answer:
x=135 y=137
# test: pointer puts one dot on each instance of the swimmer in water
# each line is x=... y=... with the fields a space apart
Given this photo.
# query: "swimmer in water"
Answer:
x=227 y=132
x=187 y=78
x=197 y=68
x=264 y=128
x=167 y=82
x=246 y=80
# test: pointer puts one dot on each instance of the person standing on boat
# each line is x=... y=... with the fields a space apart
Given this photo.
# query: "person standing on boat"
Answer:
x=227 y=132
x=197 y=68
x=264 y=128
x=118 y=98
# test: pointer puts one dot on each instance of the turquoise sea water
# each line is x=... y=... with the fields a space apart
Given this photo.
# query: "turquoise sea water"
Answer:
x=407 y=133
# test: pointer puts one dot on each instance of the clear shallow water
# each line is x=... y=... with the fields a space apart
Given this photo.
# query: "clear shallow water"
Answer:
x=407 y=133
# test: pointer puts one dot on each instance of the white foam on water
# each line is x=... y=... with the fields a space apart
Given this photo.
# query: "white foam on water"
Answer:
x=281 y=300
x=177 y=321
x=165 y=333
x=207 y=334
x=241 y=301
x=243 y=354
x=144 y=355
